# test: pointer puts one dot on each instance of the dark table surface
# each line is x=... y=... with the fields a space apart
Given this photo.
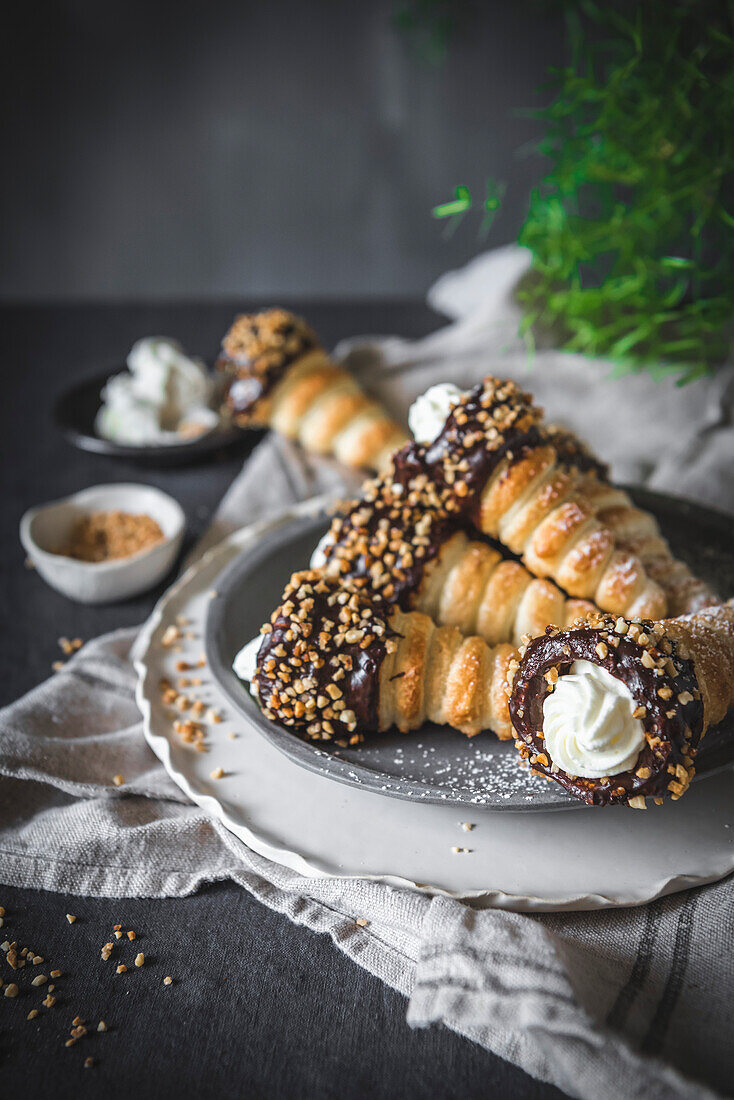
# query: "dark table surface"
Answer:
x=259 y=1006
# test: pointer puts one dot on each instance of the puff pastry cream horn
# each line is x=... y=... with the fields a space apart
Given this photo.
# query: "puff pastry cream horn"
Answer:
x=281 y=376
x=633 y=528
x=614 y=710
x=407 y=548
x=337 y=662
x=507 y=478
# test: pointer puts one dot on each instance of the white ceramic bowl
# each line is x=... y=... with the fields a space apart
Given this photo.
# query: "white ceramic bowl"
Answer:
x=49 y=526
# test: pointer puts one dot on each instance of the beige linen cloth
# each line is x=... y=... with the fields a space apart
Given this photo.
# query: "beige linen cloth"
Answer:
x=634 y=1003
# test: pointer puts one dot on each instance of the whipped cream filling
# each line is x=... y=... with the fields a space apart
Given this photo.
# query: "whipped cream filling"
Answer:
x=588 y=725
x=163 y=398
x=429 y=412
x=318 y=558
x=245 y=663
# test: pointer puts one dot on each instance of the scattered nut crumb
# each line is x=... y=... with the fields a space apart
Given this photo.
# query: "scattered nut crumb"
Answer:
x=32 y=1014
x=37 y=960
x=77 y=1021
x=11 y=990
x=69 y=1042
x=131 y=935
x=168 y=980
x=218 y=773
x=88 y=1063
x=56 y=973
x=40 y=979
x=139 y=959
x=170 y=635
x=121 y=969
x=49 y=1001
x=118 y=780
x=462 y=851
x=361 y=922
x=70 y=917
x=467 y=826
x=57 y=666
x=101 y=1026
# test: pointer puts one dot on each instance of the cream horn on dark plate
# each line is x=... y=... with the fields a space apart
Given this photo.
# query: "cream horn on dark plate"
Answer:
x=542 y=493
x=614 y=711
x=336 y=662
x=504 y=475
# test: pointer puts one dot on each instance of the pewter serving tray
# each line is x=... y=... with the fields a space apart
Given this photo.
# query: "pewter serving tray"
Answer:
x=435 y=764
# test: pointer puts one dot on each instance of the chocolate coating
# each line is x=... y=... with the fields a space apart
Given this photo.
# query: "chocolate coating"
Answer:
x=492 y=420
x=318 y=667
x=672 y=728
x=257 y=351
x=388 y=537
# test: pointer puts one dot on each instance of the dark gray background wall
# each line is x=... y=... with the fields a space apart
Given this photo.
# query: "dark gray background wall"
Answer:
x=268 y=148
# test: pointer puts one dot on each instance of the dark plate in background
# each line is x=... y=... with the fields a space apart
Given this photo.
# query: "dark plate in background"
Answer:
x=75 y=410
x=434 y=764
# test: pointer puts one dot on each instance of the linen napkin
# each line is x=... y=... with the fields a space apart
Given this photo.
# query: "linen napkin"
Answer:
x=620 y=1002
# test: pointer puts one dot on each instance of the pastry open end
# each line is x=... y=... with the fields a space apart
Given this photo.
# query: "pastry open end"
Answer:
x=676 y=677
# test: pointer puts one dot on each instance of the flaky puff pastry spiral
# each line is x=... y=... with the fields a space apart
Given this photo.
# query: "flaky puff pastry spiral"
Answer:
x=634 y=529
x=336 y=663
x=280 y=376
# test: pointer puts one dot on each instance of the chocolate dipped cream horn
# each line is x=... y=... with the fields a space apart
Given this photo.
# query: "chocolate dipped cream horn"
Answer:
x=634 y=529
x=494 y=458
x=614 y=710
x=406 y=544
x=336 y=662
x=281 y=376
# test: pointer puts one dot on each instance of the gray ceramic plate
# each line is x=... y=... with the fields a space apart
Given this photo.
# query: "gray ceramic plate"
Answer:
x=435 y=764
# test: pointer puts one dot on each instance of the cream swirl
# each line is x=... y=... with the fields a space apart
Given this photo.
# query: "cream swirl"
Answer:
x=588 y=725
x=245 y=663
x=429 y=412
x=318 y=557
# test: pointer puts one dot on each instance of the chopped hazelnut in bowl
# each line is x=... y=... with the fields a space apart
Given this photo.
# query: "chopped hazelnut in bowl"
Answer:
x=106 y=543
